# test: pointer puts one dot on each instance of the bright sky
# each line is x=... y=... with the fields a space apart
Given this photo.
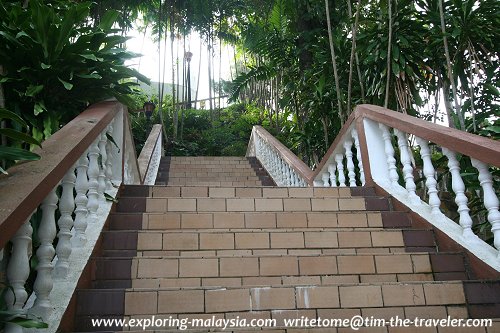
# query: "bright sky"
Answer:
x=149 y=63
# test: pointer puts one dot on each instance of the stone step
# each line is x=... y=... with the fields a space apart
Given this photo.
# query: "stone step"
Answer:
x=208 y=158
x=271 y=270
x=250 y=183
x=221 y=173
x=173 y=180
x=247 y=192
x=204 y=204
x=251 y=220
x=210 y=239
x=408 y=296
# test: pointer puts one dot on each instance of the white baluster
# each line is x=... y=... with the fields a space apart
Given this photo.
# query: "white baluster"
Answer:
x=295 y=180
x=80 y=226
x=407 y=168
x=287 y=175
x=389 y=152
x=350 y=164
x=45 y=253
x=326 y=177
x=93 y=173
x=339 y=158
x=490 y=200
x=459 y=188
x=355 y=136
x=282 y=172
x=333 y=179
x=109 y=162
x=429 y=172
x=101 y=180
x=65 y=223
x=18 y=271
x=317 y=183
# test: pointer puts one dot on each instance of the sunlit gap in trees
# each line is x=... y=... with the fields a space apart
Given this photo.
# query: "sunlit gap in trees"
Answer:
x=150 y=64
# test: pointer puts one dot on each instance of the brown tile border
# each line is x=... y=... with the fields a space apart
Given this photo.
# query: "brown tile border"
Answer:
x=476 y=269
x=483 y=298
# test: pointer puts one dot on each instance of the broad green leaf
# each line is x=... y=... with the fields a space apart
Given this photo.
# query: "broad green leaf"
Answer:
x=110 y=138
x=32 y=90
x=492 y=89
x=13 y=154
x=22 y=34
x=110 y=198
x=6 y=114
x=495 y=129
x=67 y=85
x=90 y=76
x=108 y=19
x=395 y=52
x=44 y=66
x=39 y=108
x=28 y=323
x=395 y=68
x=91 y=57
x=19 y=136
x=9 y=37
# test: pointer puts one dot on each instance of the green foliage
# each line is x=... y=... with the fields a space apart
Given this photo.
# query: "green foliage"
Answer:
x=11 y=154
x=226 y=136
x=54 y=64
x=12 y=317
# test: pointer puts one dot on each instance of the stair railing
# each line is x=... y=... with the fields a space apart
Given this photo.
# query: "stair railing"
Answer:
x=66 y=197
x=149 y=159
x=375 y=148
x=283 y=166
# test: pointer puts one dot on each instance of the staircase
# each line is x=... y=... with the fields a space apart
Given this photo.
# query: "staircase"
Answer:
x=215 y=240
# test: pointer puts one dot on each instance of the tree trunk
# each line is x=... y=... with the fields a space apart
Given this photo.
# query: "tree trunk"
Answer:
x=199 y=73
x=324 y=121
x=353 y=53
x=334 y=64
x=235 y=62
x=210 y=82
x=175 y=117
x=162 y=80
x=174 y=108
x=389 y=57
x=220 y=72
x=184 y=88
x=458 y=107
x=447 y=104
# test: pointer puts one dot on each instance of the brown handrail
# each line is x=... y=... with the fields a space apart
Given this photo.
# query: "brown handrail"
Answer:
x=293 y=161
x=147 y=151
x=480 y=148
x=29 y=183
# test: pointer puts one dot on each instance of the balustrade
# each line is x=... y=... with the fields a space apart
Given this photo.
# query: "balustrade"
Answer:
x=377 y=140
x=89 y=165
x=282 y=165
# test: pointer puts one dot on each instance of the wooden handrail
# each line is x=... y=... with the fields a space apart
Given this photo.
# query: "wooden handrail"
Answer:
x=293 y=161
x=474 y=146
x=480 y=148
x=29 y=183
x=147 y=151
